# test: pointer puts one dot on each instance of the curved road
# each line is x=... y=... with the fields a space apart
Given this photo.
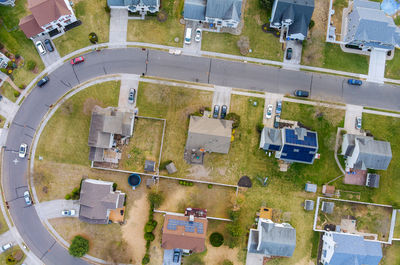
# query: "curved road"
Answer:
x=161 y=64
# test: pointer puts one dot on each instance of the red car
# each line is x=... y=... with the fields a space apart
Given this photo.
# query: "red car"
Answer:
x=77 y=60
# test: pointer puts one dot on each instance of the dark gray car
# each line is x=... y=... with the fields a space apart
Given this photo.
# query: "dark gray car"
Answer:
x=43 y=81
x=224 y=110
x=48 y=45
x=216 y=112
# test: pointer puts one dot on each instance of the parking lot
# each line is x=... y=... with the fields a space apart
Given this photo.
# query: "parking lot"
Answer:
x=49 y=57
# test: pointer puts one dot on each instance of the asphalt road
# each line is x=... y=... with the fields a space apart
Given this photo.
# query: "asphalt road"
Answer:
x=161 y=64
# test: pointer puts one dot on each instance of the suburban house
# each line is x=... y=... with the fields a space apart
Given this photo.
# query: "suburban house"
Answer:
x=209 y=135
x=48 y=16
x=290 y=145
x=141 y=6
x=270 y=240
x=99 y=204
x=349 y=249
x=363 y=152
x=216 y=14
x=7 y=2
x=108 y=127
x=3 y=60
x=185 y=231
x=368 y=27
x=292 y=17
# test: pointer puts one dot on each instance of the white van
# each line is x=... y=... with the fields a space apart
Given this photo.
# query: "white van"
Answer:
x=40 y=47
x=188 y=35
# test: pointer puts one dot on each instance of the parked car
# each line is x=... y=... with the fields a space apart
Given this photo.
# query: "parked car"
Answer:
x=43 y=81
x=301 y=93
x=188 y=36
x=40 y=47
x=48 y=45
x=27 y=198
x=22 y=150
x=268 y=115
x=354 y=82
x=224 y=110
x=197 y=38
x=6 y=246
x=358 y=123
x=278 y=109
x=289 y=52
x=177 y=255
x=1 y=97
x=68 y=213
x=216 y=112
x=132 y=93
x=277 y=121
x=77 y=60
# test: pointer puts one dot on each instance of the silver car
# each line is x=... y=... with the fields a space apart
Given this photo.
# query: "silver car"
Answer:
x=197 y=38
x=131 y=98
x=27 y=198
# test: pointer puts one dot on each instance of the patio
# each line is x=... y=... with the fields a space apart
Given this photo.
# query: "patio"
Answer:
x=355 y=177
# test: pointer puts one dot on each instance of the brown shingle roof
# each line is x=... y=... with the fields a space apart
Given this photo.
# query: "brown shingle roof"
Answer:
x=46 y=11
x=179 y=238
x=29 y=26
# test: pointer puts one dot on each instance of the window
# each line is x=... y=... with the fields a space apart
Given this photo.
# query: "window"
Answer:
x=67 y=21
x=324 y=253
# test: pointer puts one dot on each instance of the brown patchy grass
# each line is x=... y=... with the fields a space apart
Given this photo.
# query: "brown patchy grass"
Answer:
x=2 y=121
x=144 y=145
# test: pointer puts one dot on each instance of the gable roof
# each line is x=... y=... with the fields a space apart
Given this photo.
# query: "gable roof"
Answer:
x=180 y=232
x=96 y=199
x=354 y=250
x=194 y=9
x=273 y=239
x=271 y=136
x=46 y=11
x=224 y=9
x=213 y=135
x=30 y=26
x=368 y=23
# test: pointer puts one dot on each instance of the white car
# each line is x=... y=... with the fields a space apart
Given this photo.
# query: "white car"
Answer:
x=358 y=123
x=6 y=246
x=27 y=198
x=22 y=150
x=68 y=213
x=40 y=47
x=269 y=111
x=197 y=38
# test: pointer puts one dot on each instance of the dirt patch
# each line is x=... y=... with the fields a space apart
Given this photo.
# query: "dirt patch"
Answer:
x=199 y=172
x=89 y=104
x=218 y=255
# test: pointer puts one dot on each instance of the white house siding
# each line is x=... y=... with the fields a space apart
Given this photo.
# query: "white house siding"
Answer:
x=327 y=248
x=219 y=23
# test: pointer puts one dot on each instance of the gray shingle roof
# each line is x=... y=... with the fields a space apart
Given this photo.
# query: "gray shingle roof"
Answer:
x=194 y=9
x=372 y=180
x=213 y=135
x=224 y=9
x=270 y=136
x=368 y=23
x=311 y=187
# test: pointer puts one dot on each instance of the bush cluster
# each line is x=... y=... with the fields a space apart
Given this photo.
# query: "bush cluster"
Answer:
x=31 y=65
x=216 y=239
x=79 y=246
x=185 y=183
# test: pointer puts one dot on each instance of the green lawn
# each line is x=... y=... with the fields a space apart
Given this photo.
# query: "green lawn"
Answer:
x=4 y=255
x=94 y=18
x=64 y=139
x=152 y=31
x=17 y=43
x=8 y=91
x=391 y=254
x=393 y=66
x=263 y=45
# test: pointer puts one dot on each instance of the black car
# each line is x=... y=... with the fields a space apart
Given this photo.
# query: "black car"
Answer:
x=277 y=121
x=216 y=112
x=224 y=109
x=43 y=81
x=48 y=45
x=301 y=93
x=177 y=255
x=289 y=52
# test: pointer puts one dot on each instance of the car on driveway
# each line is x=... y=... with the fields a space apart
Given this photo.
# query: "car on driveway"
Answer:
x=40 y=47
x=278 y=108
x=197 y=38
x=216 y=112
x=6 y=246
x=224 y=110
x=301 y=93
x=27 y=198
x=354 y=82
x=358 y=123
x=289 y=53
x=277 y=121
x=68 y=213
x=48 y=45
x=131 y=97
x=77 y=60
x=177 y=256
x=43 y=81
x=270 y=108
x=22 y=150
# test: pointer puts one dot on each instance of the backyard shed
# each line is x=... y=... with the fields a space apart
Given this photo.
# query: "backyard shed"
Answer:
x=327 y=207
x=171 y=168
x=328 y=190
x=311 y=187
x=150 y=166
x=372 y=180
x=309 y=205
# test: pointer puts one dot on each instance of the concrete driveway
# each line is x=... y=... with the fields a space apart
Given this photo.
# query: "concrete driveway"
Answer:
x=377 y=63
x=52 y=209
x=49 y=57
x=7 y=237
x=297 y=48
x=194 y=47
x=127 y=82
x=222 y=96
x=270 y=99
x=168 y=257
x=118 y=25
x=352 y=112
